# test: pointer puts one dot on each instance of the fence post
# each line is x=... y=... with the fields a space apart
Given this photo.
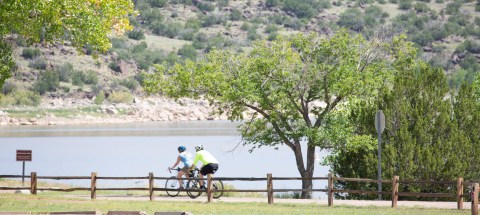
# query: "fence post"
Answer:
x=269 y=188
x=150 y=185
x=93 y=187
x=33 y=183
x=330 y=189
x=475 y=200
x=395 y=191
x=459 y=193
x=209 y=187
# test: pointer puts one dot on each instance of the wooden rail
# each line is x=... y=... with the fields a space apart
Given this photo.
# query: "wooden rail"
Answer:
x=459 y=194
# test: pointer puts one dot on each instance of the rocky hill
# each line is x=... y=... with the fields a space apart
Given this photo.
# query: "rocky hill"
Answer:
x=56 y=82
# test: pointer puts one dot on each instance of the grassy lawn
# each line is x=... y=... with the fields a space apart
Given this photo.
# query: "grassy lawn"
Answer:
x=46 y=203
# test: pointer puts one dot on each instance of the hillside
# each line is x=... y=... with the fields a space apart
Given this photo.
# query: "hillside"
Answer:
x=170 y=31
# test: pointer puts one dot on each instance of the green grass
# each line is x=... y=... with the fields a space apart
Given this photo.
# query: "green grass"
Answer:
x=41 y=203
x=60 y=112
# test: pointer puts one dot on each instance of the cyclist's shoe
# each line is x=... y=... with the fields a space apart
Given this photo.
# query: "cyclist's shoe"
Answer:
x=180 y=188
x=203 y=188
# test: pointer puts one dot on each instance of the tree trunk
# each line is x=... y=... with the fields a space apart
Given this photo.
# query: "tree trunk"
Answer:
x=305 y=172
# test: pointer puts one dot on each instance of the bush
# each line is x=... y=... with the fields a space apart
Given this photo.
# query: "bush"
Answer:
x=352 y=18
x=205 y=6
x=91 y=77
x=235 y=15
x=22 y=97
x=169 y=29
x=78 y=78
x=439 y=1
x=120 y=97
x=139 y=48
x=252 y=35
x=210 y=20
x=405 y=4
x=187 y=34
x=158 y=3
x=453 y=8
x=114 y=66
x=64 y=72
x=8 y=87
x=188 y=52
x=152 y=15
x=136 y=34
x=129 y=83
x=100 y=98
x=302 y=9
x=245 y=26
x=47 y=81
x=39 y=64
x=421 y=7
x=271 y=28
x=29 y=53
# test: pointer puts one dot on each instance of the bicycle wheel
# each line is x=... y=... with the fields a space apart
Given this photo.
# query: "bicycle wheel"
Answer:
x=193 y=189
x=173 y=185
x=217 y=185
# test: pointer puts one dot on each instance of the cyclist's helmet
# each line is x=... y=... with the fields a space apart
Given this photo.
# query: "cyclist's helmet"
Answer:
x=181 y=148
x=199 y=147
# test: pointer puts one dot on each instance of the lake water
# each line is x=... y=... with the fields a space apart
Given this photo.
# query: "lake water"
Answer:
x=135 y=149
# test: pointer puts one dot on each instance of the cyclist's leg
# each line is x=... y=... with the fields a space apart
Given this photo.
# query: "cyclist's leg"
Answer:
x=180 y=181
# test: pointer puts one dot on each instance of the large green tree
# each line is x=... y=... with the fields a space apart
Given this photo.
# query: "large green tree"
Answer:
x=80 y=21
x=427 y=136
x=289 y=87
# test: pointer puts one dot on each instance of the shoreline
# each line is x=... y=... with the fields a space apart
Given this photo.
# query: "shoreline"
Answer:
x=83 y=111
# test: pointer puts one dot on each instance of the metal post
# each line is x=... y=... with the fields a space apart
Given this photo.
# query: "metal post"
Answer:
x=379 y=166
x=23 y=173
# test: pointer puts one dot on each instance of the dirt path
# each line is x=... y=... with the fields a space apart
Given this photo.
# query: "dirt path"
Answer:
x=357 y=203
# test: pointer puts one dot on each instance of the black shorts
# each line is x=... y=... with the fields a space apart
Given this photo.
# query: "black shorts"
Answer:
x=209 y=169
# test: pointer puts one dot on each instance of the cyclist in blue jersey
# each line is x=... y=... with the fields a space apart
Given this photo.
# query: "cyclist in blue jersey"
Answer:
x=187 y=159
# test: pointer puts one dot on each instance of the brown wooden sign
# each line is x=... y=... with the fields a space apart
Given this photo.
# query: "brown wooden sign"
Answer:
x=24 y=155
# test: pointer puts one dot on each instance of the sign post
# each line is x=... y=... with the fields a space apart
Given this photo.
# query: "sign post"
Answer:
x=379 y=126
x=24 y=155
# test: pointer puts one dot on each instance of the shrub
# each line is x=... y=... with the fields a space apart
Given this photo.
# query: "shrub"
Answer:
x=129 y=83
x=302 y=9
x=120 y=97
x=21 y=41
x=140 y=77
x=169 y=29
x=114 y=66
x=252 y=35
x=235 y=15
x=136 y=34
x=47 y=81
x=245 y=26
x=271 y=28
x=187 y=34
x=64 y=72
x=78 y=78
x=405 y=4
x=210 y=20
x=8 y=87
x=195 y=24
x=421 y=7
x=158 y=3
x=152 y=15
x=453 y=7
x=188 y=52
x=91 y=77
x=21 y=97
x=352 y=18
x=272 y=36
x=205 y=6
x=119 y=43
x=100 y=98
x=29 y=53
x=39 y=64
x=141 y=47
x=439 y=1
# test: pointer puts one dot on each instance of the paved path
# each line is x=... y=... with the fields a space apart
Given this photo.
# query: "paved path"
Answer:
x=358 y=203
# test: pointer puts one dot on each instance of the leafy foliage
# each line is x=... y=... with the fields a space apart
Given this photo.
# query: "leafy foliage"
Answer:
x=282 y=83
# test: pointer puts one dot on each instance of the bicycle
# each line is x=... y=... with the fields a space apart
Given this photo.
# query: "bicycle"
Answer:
x=194 y=190
x=172 y=185
x=192 y=186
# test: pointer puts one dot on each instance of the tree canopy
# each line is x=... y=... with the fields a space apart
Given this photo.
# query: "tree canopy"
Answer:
x=429 y=135
x=289 y=86
x=79 y=21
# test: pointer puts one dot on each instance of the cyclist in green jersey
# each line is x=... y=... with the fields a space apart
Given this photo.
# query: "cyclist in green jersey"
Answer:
x=210 y=163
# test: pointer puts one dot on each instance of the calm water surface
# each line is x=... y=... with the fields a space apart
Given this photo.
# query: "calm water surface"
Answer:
x=135 y=149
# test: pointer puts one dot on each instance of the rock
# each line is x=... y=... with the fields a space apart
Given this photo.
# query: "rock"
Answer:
x=111 y=110
x=2 y=113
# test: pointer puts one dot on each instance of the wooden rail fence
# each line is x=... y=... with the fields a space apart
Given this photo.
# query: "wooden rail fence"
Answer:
x=459 y=194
